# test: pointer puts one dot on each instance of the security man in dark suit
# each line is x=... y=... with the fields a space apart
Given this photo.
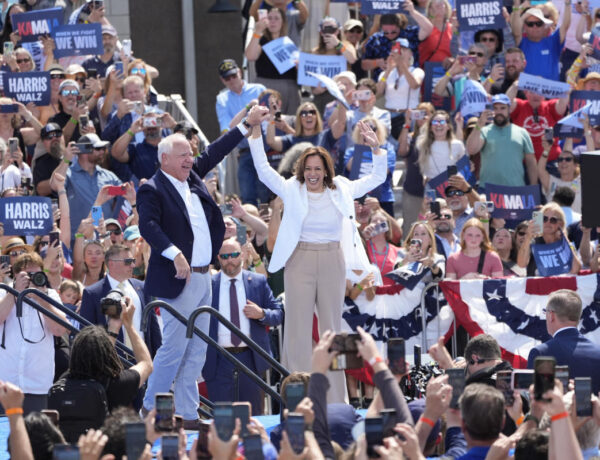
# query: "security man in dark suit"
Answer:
x=246 y=299
x=567 y=345
x=184 y=228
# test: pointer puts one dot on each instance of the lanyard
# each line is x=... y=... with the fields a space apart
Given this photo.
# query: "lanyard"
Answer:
x=385 y=254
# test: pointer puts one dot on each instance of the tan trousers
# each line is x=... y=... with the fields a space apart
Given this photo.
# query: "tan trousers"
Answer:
x=315 y=274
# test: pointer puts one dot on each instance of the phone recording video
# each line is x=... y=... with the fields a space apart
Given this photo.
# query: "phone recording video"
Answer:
x=543 y=380
x=583 y=396
x=294 y=393
x=295 y=431
x=456 y=379
x=65 y=452
x=374 y=435
x=169 y=445
x=396 y=355
x=165 y=409
x=503 y=384
x=242 y=411
x=347 y=357
x=135 y=439
x=224 y=420
x=202 y=451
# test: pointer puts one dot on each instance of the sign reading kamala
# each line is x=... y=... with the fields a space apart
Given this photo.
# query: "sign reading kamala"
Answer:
x=440 y=182
x=27 y=87
x=329 y=66
x=480 y=14
x=554 y=258
x=31 y=25
x=26 y=215
x=381 y=6
x=78 y=40
x=547 y=88
x=513 y=203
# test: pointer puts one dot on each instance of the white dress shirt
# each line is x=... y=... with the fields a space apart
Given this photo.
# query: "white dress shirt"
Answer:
x=130 y=292
x=201 y=252
x=225 y=308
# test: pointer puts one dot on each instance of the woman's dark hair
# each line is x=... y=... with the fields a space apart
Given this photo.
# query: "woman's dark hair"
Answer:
x=283 y=30
x=93 y=356
x=43 y=435
x=8 y=27
x=327 y=163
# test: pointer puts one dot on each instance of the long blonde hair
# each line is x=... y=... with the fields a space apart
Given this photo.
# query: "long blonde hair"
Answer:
x=426 y=138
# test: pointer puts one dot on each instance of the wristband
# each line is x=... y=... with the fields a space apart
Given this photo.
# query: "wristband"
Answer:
x=520 y=420
x=343 y=48
x=469 y=190
x=79 y=235
x=134 y=205
x=339 y=46
x=255 y=35
x=257 y=264
x=247 y=107
x=67 y=161
x=478 y=127
x=74 y=121
x=62 y=192
x=484 y=221
x=448 y=74
x=382 y=79
x=359 y=286
x=14 y=411
x=531 y=417
x=97 y=95
x=428 y=421
x=554 y=418
x=374 y=360
x=130 y=132
x=113 y=334
x=491 y=80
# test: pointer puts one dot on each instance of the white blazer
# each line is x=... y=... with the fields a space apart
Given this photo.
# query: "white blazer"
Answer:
x=295 y=201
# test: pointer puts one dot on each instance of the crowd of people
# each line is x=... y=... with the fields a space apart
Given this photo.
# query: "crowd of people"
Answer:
x=310 y=222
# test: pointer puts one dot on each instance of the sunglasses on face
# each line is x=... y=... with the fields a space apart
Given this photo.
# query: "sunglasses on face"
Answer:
x=57 y=76
x=552 y=220
x=455 y=193
x=116 y=231
x=127 y=261
x=476 y=53
x=306 y=113
x=567 y=159
x=70 y=92
x=438 y=122
x=355 y=30
x=521 y=233
x=54 y=135
x=487 y=39
x=22 y=61
x=138 y=71
x=16 y=253
x=232 y=255
x=534 y=24
x=446 y=217
x=80 y=79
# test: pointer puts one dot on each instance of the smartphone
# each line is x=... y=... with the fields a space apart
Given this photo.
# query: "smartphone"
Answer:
x=178 y=422
x=562 y=374
x=295 y=431
x=583 y=396
x=549 y=135
x=362 y=95
x=169 y=445
x=543 y=376
x=96 y=216
x=126 y=46
x=5 y=260
x=202 y=444
x=388 y=417
x=85 y=148
x=294 y=393
x=263 y=210
x=435 y=208
x=120 y=69
x=489 y=206
x=452 y=170
x=417 y=355
x=253 y=447
x=92 y=73
x=418 y=114
x=538 y=219
x=489 y=106
x=396 y=353
x=503 y=384
x=226 y=209
x=262 y=14
x=416 y=242
x=521 y=379
x=430 y=193
x=65 y=452
x=53 y=415
x=479 y=206
x=464 y=60
x=9 y=48
x=224 y=420
x=84 y=120
x=151 y=122
x=374 y=435
x=9 y=108
x=328 y=30
x=54 y=237
x=165 y=409
x=241 y=234
x=456 y=379
x=242 y=411
x=116 y=190
x=13 y=144
x=347 y=358
x=135 y=439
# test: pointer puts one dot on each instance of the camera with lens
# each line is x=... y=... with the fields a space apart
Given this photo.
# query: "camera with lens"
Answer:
x=39 y=279
x=111 y=304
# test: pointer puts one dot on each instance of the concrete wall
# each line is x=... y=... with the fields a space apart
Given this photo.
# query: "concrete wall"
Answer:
x=117 y=12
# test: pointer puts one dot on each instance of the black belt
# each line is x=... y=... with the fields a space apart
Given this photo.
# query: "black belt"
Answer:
x=203 y=269
x=236 y=350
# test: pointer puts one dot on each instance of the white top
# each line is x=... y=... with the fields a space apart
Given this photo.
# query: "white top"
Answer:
x=398 y=93
x=202 y=249
x=127 y=289
x=225 y=308
x=10 y=178
x=575 y=184
x=441 y=157
x=323 y=223
x=30 y=366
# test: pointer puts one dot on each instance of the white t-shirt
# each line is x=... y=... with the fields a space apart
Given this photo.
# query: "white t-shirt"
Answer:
x=442 y=156
x=323 y=223
x=398 y=93
x=10 y=178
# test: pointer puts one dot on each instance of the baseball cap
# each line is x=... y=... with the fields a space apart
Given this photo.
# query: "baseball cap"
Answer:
x=114 y=222
x=50 y=128
x=184 y=127
x=93 y=139
x=500 y=99
x=68 y=82
x=75 y=69
x=352 y=23
x=227 y=67
x=110 y=30
x=56 y=68
x=348 y=74
x=536 y=12
x=132 y=233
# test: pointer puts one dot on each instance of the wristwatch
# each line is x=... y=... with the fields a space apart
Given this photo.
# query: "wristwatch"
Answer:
x=246 y=124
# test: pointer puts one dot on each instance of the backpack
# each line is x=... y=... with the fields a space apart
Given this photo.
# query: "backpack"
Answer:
x=82 y=404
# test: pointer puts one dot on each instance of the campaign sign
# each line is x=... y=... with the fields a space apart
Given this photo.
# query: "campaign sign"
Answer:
x=78 y=40
x=361 y=161
x=513 y=203
x=548 y=88
x=572 y=124
x=440 y=182
x=332 y=88
x=480 y=14
x=408 y=275
x=381 y=6
x=26 y=215
x=27 y=87
x=282 y=52
x=329 y=66
x=553 y=259
x=31 y=25
x=595 y=41
x=473 y=99
x=433 y=72
x=580 y=99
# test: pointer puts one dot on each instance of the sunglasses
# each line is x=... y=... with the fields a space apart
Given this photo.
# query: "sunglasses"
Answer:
x=438 y=122
x=552 y=220
x=232 y=255
x=53 y=135
x=487 y=39
x=475 y=53
x=567 y=159
x=116 y=232
x=355 y=30
x=138 y=71
x=44 y=243
x=127 y=261
x=70 y=92
x=57 y=76
x=446 y=216
x=80 y=79
x=455 y=193
x=16 y=253
x=534 y=24
x=22 y=61
x=306 y=113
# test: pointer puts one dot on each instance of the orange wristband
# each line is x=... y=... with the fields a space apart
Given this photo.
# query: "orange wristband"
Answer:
x=429 y=422
x=14 y=411
x=255 y=35
x=520 y=420
x=556 y=417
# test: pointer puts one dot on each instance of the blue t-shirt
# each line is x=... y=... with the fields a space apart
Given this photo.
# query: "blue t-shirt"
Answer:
x=384 y=191
x=543 y=56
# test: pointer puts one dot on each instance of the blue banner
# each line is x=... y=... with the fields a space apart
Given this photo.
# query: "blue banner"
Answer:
x=554 y=258
x=361 y=161
x=440 y=182
x=572 y=124
x=548 y=88
x=479 y=14
x=329 y=66
x=27 y=87
x=32 y=24
x=26 y=215
x=408 y=275
x=381 y=6
x=433 y=72
x=595 y=41
x=78 y=40
x=580 y=99
x=473 y=100
x=282 y=52
x=513 y=203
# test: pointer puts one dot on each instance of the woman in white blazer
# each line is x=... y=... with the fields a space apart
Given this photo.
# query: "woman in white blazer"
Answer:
x=317 y=241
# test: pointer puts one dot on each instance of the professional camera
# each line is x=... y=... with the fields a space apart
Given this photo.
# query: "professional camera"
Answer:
x=39 y=279
x=111 y=304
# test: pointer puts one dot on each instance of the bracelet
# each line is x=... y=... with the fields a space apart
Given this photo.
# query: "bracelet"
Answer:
x=134 y=205
x=407 y=127
x=247 y=107
x=97 y=95
x=113 y=334
x=578 y=60
x=428 y=421
x=491 y=80
x=130 y=132
x=375 y=359
x=554 y=418
x=62 y=192
x=359 y=286
x=343 y=49
x=478 y=127
x=339 y=46
x=79 y=235
x=257 y=264
x=484 y=221
x=255 y=35
x=520 y=420
x=14 y=411
x=67 y=161
x=74 y=121
x=469 y=190
x=448 y=74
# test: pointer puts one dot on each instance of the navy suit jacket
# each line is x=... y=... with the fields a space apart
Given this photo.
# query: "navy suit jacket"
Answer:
x=91 y=310
x=570 y=347
x=259 y=292
x=164 y=220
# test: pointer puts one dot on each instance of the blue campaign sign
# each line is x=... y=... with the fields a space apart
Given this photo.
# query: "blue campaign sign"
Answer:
x=78 y=40
x=433 y=72
x=440 y=182
x=579 y=99
x=554 y=258
x=360 y=157
x=595 y=41
x=332 y=87
x=542 y=86
x=513 y=203
x=282 y=52
x=32 y=24
x=480 y=14
x=329 y=66
x=408 y=275
x=381 y=6
x=27 y=87
x=26 y=215
x=473 y=100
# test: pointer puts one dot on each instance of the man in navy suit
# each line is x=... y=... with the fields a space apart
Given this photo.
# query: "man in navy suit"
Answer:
x=247 y=301
x=119 y=262
x=184 y=228
x=567 y=344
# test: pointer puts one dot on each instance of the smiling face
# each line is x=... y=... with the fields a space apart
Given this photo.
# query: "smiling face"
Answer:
x=24 y=62
x=514 y=64
x=439 y=126
x=308 y=117
x=314 y=173
x=68 y=97
x=473 y=238
x=178 y=163
x=566 y=165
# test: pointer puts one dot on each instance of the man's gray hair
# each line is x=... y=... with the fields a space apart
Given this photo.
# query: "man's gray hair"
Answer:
x=166 y=145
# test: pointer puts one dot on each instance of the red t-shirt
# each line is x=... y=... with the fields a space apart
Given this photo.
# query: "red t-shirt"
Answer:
x=385 y=261
x=434 y=48
x=547 y=116
x=461 y=265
